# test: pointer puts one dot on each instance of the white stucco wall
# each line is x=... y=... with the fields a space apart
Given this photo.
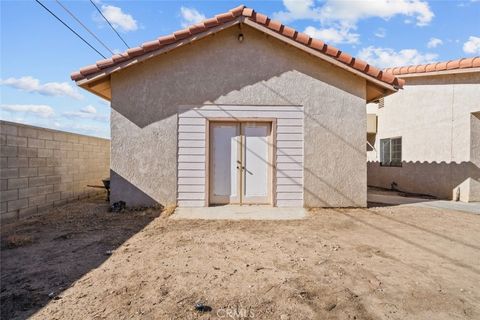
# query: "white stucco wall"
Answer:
x=260 y=71
x=433 y=115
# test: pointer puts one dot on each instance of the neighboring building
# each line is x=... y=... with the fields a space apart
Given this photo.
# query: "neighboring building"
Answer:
x=238 y=109
x=427 y=138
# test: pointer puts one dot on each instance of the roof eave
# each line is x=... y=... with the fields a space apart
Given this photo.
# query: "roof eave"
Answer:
x=438 y=73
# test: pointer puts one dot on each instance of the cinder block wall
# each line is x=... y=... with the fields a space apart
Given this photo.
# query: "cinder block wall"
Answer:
x=42 y=168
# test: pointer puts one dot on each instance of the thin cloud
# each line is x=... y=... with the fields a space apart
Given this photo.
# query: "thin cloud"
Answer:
x=434 y=42
x=472 y=46
x=119 y=19
x=88 y=112
x=338 y=19
x=31 y=84
x=380 y=33
x=333 y=35
x=39 y=110
x=190 y=16
x=387 y=57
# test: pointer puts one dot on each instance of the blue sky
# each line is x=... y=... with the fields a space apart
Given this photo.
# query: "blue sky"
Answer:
x=38 y=53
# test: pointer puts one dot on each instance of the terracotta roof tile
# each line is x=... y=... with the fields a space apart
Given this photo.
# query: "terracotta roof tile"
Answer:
x=386 y=76
x=462 y=63
x=275 y=25
x=303 y=38
x=288 y=32
x=345 y=58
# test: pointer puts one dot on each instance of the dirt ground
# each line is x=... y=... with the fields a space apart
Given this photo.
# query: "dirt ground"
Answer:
x=377 y=263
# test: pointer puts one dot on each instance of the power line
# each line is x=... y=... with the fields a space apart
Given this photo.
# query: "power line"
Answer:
x=99 y=11
x=66 y=25
x=85 y=27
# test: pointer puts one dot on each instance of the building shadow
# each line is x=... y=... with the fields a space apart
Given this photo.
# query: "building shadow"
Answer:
x=44 y=255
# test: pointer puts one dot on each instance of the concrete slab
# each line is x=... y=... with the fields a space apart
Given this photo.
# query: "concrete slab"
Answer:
x=240 y=213
x=470 y=207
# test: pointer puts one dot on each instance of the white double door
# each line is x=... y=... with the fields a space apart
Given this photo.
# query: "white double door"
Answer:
x=240 y=169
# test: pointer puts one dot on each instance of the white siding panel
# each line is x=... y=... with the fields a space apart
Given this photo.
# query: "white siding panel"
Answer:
x=289 y=196
x=191 y=181
x=191 y=136
x=290 y=144
x=290 y=173
x=191 y=203
x=191 y=128
x=289 y=159
x=191 y=196
x=289 y=151
x=191 y=173
x=289 y=203
x=192 y=150
x=289 y=166
x=289 y=188
x=289 y=129
x=188 y=121
x=285 y=180
x=191 y=166
x=191 y=188
x=191 y=158
x=191 y=143
x=290 y=137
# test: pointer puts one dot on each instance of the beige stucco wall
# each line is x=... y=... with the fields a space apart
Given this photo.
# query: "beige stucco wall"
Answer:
x=433 y=115
x=259 y=71
x=42 y=168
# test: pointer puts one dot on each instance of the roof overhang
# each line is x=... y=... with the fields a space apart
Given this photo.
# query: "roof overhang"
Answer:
x=98 y=83
x=439 y=73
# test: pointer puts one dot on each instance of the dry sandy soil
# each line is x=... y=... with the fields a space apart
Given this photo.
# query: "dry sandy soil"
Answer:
x=377 y=263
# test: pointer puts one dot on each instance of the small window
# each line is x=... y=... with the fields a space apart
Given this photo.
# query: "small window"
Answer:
x=391 y=152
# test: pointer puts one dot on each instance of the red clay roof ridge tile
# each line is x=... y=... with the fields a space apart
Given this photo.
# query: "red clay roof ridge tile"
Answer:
x=386 y=76
x=457 y=64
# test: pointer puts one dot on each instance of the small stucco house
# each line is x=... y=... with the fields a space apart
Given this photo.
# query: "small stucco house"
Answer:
x=426 y=138
x=238 y=109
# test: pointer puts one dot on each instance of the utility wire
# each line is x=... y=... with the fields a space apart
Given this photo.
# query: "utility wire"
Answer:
x=85 y=27
x=66 y=25
x=99 y=11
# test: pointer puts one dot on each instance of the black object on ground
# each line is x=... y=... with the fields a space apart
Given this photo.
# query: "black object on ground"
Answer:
x=118 y=206
x=200 y=307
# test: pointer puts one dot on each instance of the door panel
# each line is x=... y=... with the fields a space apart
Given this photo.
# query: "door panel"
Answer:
x=224 y=154
x=240 y=163
x=256 y=167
